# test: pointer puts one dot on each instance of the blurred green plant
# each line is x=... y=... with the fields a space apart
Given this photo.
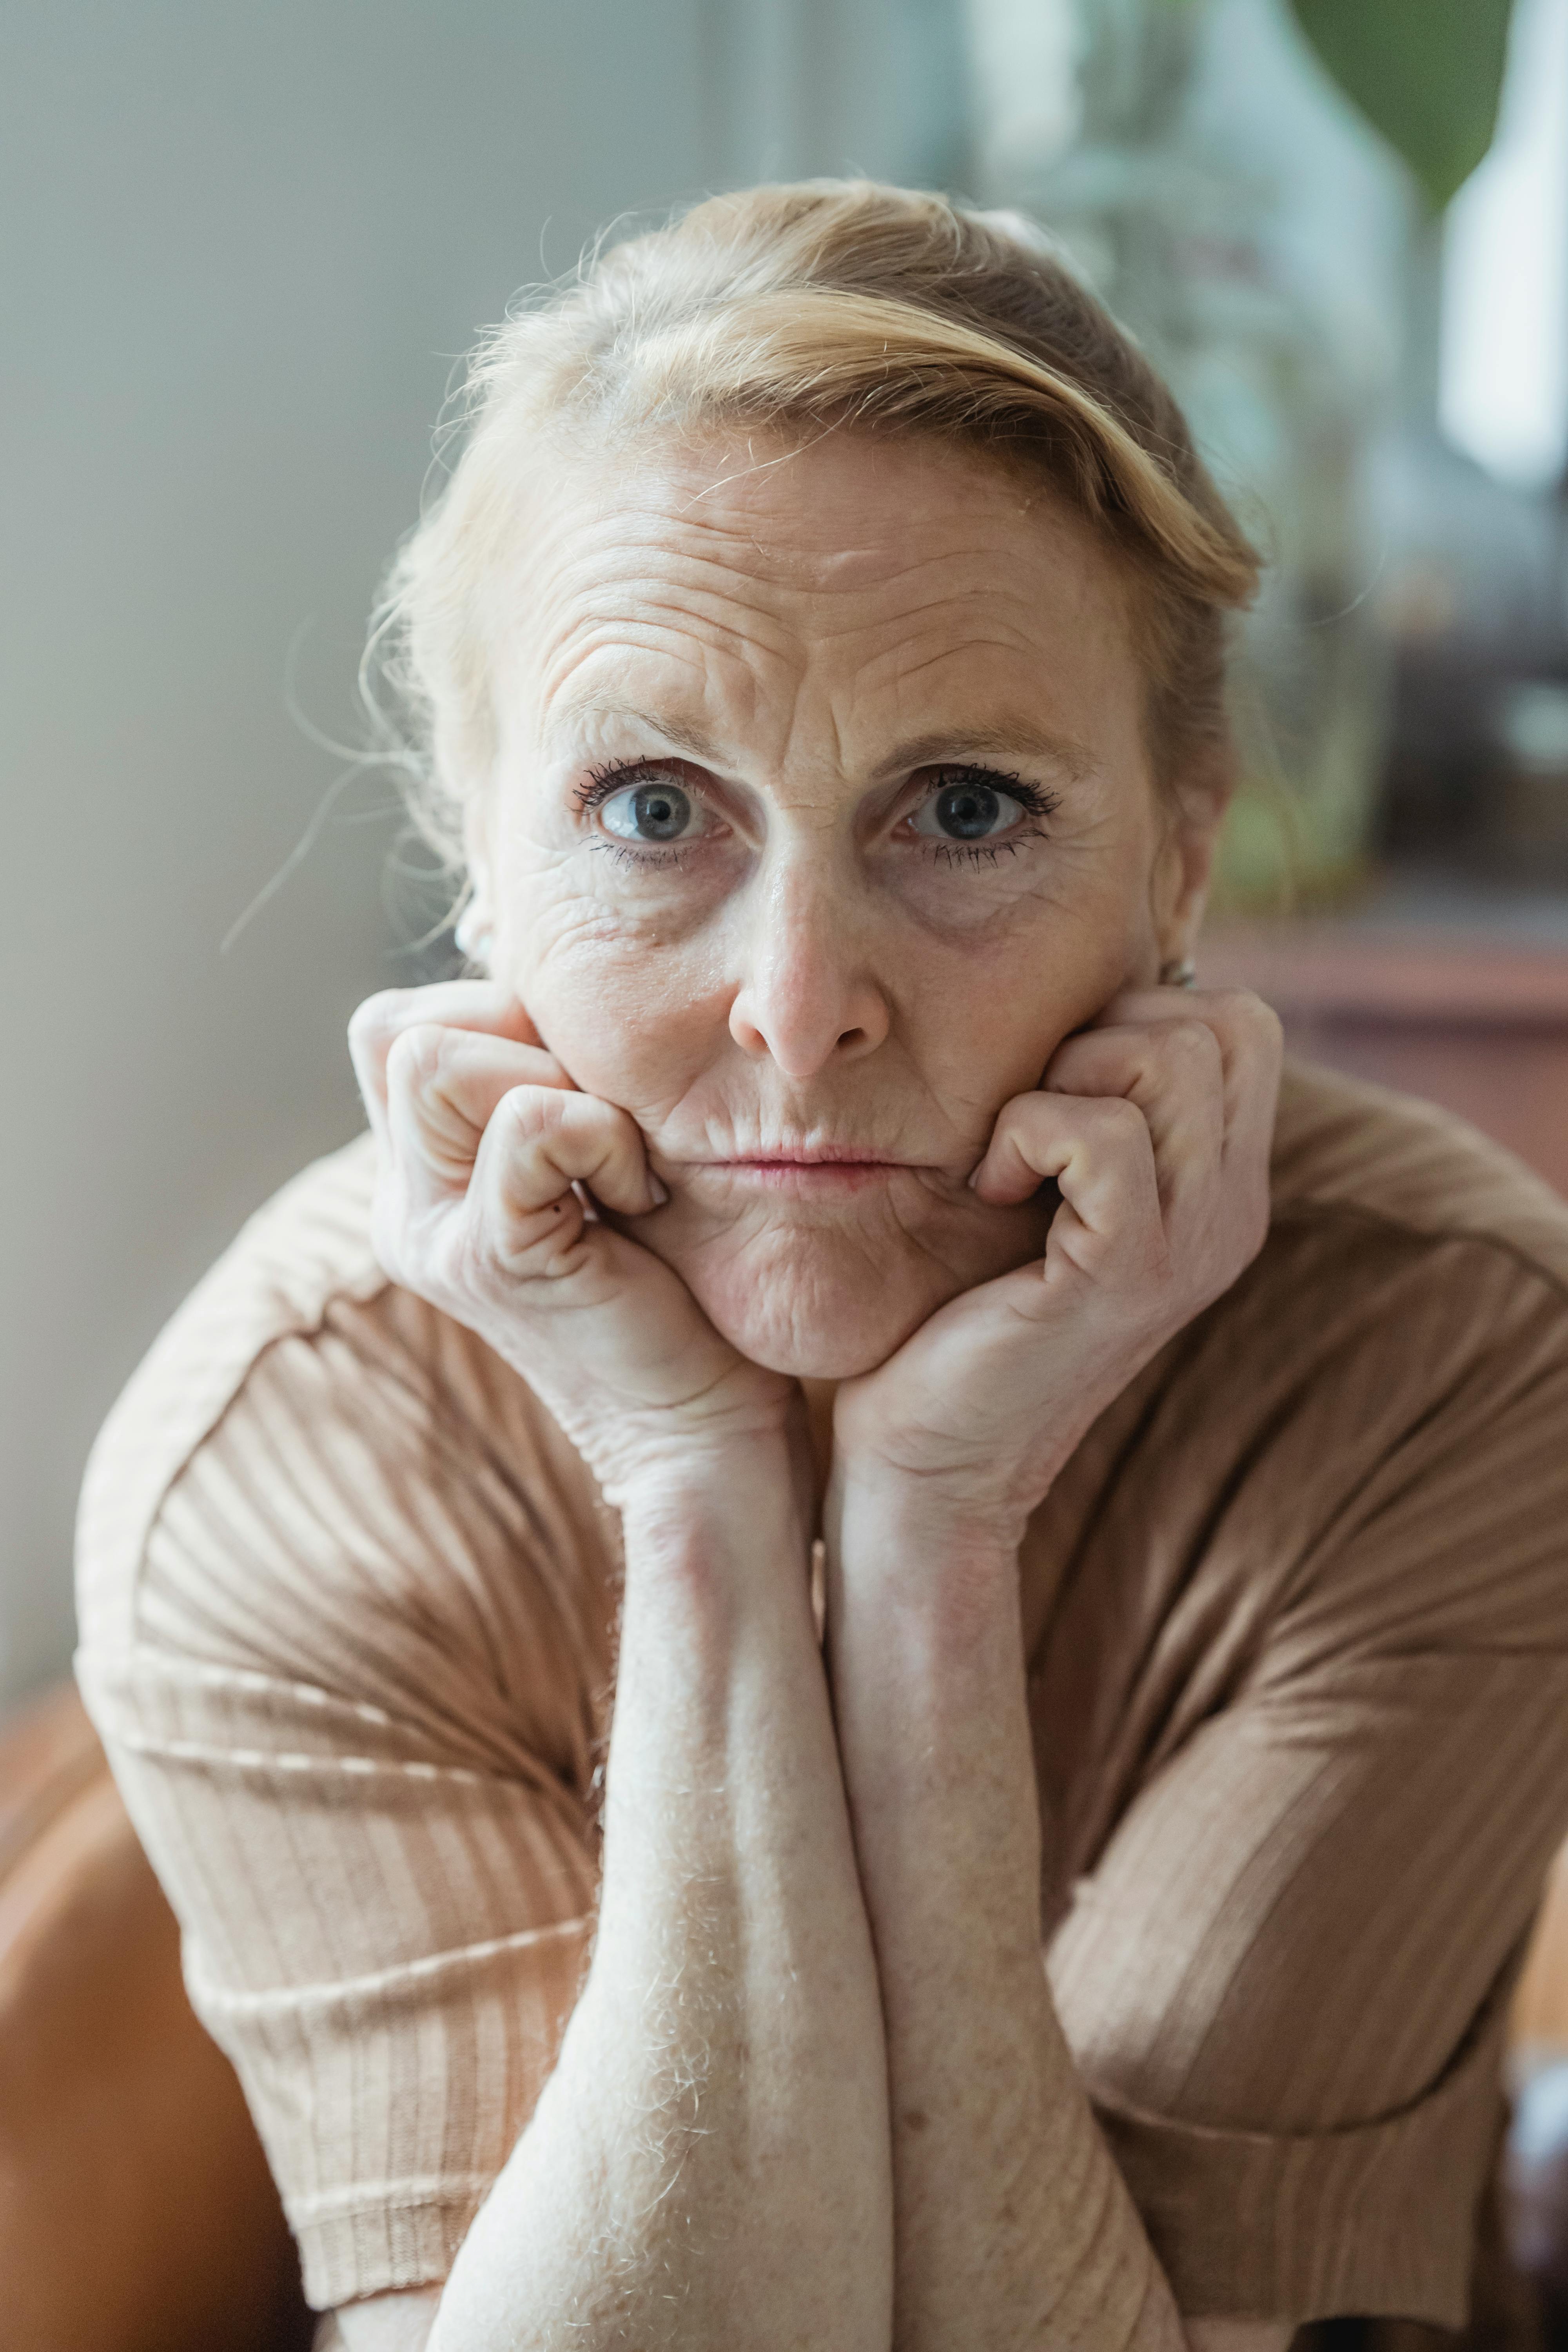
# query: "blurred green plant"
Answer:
x=1426 y=73
x=1181 y=244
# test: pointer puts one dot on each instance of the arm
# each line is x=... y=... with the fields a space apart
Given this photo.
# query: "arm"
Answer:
x=720 y=2101
x=1014 y=2226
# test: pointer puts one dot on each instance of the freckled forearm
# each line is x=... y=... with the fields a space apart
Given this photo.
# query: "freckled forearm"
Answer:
x=1013 y=2226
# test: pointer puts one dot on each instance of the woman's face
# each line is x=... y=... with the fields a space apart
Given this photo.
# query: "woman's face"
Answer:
x=821 y=815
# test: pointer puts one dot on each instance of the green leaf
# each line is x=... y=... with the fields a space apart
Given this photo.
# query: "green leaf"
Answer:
x=1427 y=73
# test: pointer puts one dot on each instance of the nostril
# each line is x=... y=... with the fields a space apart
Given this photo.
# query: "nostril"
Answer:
x=855 y=1044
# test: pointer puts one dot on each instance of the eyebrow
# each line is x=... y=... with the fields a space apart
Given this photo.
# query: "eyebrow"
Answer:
x=673 y=731
x=1003 y=739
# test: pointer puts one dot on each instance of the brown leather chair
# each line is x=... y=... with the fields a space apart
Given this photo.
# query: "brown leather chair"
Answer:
x=136 y=2210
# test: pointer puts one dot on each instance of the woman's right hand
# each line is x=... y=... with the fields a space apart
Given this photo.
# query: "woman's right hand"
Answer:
x=731 y=2003
x=480 y=1141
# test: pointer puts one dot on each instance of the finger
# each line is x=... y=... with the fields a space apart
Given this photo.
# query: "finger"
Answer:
x=1101 y=1155
x=538 y=1147
x=441 y=1088
x=478 y=1005
x=1251 y=1044
x=1173 y=1070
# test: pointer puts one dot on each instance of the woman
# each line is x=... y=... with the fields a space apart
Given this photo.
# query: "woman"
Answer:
x=819 y=653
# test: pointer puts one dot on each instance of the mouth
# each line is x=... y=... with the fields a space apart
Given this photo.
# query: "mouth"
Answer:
x=807 y=1168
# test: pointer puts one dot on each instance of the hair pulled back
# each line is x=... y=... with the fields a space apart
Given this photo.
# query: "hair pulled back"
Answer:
x=828 y=303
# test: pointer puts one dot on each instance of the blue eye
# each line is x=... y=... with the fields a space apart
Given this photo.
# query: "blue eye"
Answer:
x=657 y=811
x=968 y=810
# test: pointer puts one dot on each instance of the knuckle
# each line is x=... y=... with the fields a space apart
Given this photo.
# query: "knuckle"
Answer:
x=418 y=1055
x=529 y=1113
x=1190 y=1039
x=1244 y=1011
x=1123 y=1120
x=620 y=1128
x=379 y=1016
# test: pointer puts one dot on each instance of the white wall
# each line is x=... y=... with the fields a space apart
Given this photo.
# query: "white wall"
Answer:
x=239 y=250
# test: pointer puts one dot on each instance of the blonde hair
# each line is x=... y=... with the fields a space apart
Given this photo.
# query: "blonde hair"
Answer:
x=827 y=303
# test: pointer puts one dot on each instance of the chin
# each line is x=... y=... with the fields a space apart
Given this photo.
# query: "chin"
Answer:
x=804 y=1304
x=819 y=1355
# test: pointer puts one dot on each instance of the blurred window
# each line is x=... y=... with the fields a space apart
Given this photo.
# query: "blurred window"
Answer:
x=1503 y=375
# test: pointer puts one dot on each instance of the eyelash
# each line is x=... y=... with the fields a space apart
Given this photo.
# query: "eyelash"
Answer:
x=1037 y=799
x=602 y=782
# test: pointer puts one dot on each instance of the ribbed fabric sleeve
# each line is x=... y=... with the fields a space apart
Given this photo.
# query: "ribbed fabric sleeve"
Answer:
x=1300 y=1699
x=1296 y=1621
x=353 y=1704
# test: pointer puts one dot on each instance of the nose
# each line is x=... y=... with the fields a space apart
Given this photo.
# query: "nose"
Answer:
x=807 y=996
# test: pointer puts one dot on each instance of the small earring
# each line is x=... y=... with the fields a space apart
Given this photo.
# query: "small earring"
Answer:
x=470 y=937
x=1180 y=973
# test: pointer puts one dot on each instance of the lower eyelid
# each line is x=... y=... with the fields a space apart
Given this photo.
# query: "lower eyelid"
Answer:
x=941 y=848
x=629 y=845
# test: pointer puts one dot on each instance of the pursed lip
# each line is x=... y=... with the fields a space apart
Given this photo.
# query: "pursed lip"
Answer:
x=813 y=1167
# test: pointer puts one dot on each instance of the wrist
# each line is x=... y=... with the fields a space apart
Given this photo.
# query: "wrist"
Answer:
x=939 y=1573
x=974 y=1484
x=717 y=1573
x=641 y=1458
x=743 y=1496
x=959 y=1516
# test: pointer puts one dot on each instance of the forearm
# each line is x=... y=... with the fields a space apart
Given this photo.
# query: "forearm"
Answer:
x=709 y=2164
x=1014 y=2227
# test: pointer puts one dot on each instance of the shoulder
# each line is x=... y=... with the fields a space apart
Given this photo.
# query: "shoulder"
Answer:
x=1362 y=1155
x=1379 y=1402
x=1368 y=1425
x=317 y=1478
x=1414 y=1283
x=305 y=1250
x=1409 y=1260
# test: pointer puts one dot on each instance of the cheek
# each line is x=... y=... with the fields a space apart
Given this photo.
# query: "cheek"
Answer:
x=626 y=1023
x=988 y=1021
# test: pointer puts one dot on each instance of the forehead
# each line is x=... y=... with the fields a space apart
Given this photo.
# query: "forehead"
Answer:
x=743 y=563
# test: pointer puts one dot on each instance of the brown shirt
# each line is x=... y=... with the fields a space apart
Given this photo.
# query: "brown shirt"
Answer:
x=1298 y=1629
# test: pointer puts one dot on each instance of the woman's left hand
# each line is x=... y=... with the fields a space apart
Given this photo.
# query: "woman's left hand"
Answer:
x=1156 y=1125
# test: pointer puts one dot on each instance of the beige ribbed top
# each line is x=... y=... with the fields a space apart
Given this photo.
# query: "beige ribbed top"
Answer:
x=1298 y=1623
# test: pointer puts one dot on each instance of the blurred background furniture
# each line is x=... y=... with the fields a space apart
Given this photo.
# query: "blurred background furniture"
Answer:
x=1442 y=990
x=136 y=2210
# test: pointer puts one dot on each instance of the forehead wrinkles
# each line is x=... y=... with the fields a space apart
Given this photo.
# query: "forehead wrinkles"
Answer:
x=738 y=584
x=632 y=578
x=660 y=575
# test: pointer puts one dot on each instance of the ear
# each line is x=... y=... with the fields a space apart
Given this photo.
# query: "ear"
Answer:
x=1183 y=864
